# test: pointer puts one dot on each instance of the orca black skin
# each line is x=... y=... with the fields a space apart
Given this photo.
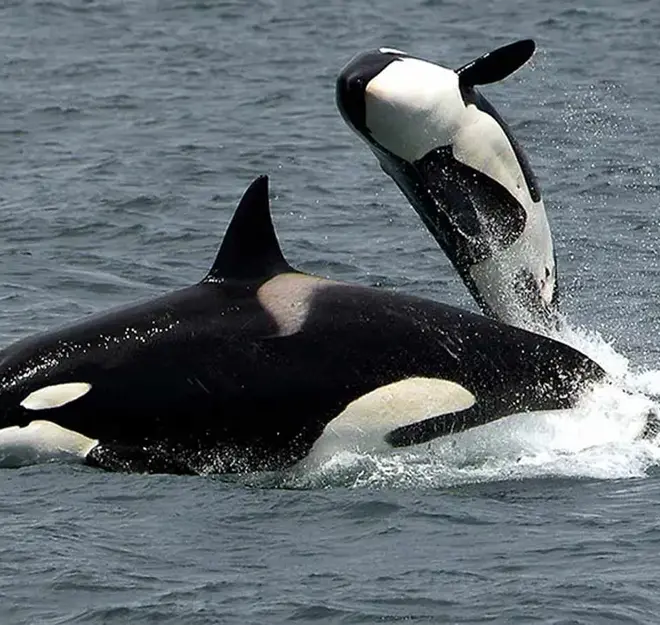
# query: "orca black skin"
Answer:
x=462 y=170
x=252 y=364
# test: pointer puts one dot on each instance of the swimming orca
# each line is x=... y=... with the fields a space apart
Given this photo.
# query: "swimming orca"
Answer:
x=461 y=168
x=252 y=365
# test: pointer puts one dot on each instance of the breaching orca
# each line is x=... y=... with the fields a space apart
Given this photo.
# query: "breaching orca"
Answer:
x=253 y=364
x=462 y=170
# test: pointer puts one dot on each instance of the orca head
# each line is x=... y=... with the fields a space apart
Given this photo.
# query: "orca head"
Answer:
x=106 y=380
x=394 y=100
x=462 y=170
x=405 y=107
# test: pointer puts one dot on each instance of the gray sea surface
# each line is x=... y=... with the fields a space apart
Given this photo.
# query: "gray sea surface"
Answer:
x=128 y=131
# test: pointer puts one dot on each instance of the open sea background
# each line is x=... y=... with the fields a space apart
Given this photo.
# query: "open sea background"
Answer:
x=128 y=131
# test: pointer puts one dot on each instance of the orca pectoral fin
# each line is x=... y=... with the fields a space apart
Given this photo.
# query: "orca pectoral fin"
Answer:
x=137 y=458
x=651 y=428
x=441 y=425
x=496 y=65
x=370 y=419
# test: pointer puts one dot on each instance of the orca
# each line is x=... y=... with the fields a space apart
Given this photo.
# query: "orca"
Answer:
x=253 y=364
x=462 y=170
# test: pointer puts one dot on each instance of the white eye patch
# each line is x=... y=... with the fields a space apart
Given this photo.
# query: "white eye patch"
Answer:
x=55 y=396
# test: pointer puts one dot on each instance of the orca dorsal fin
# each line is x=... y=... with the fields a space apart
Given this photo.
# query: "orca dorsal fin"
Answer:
x=496 y=65
x=250 y=249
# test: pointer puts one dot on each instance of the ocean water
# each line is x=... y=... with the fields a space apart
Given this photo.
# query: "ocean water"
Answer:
x=128 y=131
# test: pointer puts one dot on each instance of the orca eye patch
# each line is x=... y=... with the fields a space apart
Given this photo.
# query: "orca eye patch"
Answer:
x=391 y=51
x=55 y=396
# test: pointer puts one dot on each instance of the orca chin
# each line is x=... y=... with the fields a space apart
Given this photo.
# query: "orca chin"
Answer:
x=249 y=368
x=462 y=170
